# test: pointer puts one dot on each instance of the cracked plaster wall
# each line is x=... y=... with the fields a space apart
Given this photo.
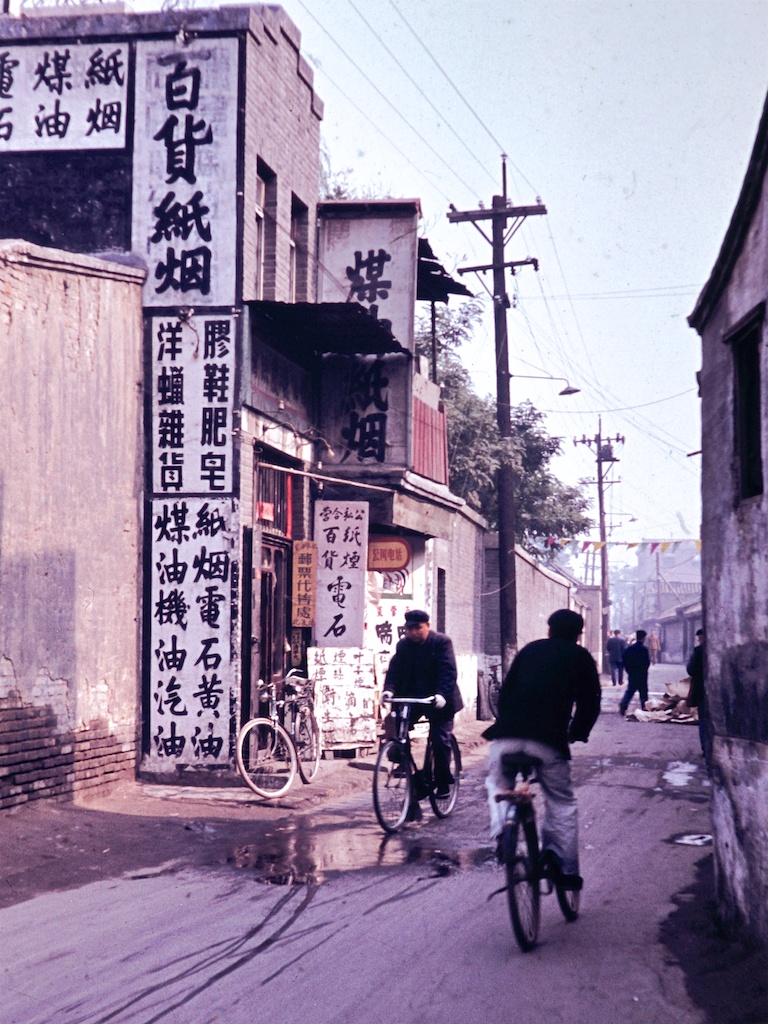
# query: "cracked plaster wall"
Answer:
x=70 y=484
x=735 y=578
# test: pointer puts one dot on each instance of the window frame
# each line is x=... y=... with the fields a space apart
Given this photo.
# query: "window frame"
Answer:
x=745 y=340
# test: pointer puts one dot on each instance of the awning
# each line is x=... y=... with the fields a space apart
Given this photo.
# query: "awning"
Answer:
x=345 y=328
x=433 y=282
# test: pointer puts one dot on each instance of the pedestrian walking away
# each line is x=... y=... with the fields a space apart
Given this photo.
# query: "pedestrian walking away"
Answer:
x=546 y=681
x=615 y=646
x=424 y=665
x=637 y=661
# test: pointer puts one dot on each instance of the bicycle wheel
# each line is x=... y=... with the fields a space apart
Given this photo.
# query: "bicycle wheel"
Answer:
x=442 y=806
x=392 y=778
x=569 y=900
x=266 y=757
x=308 y=748
x=521 y=861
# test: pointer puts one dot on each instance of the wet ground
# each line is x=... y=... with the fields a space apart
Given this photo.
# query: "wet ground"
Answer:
x=628 y=775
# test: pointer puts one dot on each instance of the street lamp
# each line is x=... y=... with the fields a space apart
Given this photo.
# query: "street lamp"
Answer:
x=567 y=390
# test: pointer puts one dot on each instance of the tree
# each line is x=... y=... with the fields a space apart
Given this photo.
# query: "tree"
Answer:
x=545 y=506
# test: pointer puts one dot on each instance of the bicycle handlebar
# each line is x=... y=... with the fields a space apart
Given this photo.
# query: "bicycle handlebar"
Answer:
x=411 y=700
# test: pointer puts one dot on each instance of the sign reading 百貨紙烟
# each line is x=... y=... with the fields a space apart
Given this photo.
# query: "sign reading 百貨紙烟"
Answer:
x=185 y=171
x=341 y=534
x=63 y=96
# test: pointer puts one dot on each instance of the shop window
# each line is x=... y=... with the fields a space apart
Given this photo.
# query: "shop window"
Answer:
x=274 y=501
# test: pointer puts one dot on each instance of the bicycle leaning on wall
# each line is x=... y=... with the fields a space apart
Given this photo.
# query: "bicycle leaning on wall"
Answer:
x=273 y=747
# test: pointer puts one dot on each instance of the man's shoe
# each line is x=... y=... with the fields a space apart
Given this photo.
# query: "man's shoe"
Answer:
x=442 y=793
x=572 y=883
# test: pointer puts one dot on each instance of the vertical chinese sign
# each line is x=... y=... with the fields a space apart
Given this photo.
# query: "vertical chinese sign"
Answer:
x=63 y=96
x=304 y=594
x=369 y=255
x=185 y=171
x=341 y=535
x=185 y=224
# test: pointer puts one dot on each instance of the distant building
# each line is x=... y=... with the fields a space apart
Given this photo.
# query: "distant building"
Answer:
x=730 y=316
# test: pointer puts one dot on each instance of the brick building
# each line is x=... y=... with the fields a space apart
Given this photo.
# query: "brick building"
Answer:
x=184 y=147
x=277 y=494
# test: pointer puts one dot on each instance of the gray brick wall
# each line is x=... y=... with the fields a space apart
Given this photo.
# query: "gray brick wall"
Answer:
x=282 y=128
x=37 y=761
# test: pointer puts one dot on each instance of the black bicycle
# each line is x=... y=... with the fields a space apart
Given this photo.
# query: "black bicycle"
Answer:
x=398 y=785
x=530 y=872
x=272 y=747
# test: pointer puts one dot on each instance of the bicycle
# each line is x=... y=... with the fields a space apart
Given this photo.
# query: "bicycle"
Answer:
x=268 y=753
x=398 y=785
x=530 y=873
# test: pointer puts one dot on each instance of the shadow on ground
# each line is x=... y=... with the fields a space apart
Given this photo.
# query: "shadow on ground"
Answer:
x=725 y=978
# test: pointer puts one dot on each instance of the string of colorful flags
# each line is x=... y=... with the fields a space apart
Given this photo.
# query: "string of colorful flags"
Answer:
x=650 y=546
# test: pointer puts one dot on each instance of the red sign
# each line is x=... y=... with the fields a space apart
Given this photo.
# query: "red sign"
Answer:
x=388 y=553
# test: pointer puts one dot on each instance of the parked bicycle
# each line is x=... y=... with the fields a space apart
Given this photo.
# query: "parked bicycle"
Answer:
x=530 y=873
x=398 y=785
x=271 y=748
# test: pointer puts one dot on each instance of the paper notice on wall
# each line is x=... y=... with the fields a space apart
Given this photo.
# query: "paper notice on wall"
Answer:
x=345 y=695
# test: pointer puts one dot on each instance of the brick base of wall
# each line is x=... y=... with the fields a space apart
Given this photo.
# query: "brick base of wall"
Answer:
x=39 y=762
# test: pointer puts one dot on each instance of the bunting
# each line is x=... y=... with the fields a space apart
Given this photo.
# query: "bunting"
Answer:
x=651 y=546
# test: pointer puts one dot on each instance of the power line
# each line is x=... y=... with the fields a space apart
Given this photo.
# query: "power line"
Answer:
x=389 y=103
x=418 y=88
x=449 y=80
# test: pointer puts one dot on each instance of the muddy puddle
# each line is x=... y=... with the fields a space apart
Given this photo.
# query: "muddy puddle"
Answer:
x=309 y=853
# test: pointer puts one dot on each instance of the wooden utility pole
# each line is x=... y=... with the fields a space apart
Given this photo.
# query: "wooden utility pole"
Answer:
x=605 y=456
x=500 y=214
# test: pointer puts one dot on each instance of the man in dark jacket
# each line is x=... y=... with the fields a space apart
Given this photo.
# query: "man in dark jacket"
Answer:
x=615 y=646
x=637 y=661
x=536 y=705
x=424 y=665
x=697 y=696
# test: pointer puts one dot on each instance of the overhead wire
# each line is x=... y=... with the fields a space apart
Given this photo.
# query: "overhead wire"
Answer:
x=595 y=384
x=389 y=103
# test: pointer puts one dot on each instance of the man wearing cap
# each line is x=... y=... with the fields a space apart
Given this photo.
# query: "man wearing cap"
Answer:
x=424 y=665
x=549 y=699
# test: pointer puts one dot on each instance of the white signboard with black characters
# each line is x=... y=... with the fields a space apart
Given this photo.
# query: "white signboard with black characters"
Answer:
x=63 y=96
x=193 y=388
x=193 y=549
x=185 y=171
x=341 y=534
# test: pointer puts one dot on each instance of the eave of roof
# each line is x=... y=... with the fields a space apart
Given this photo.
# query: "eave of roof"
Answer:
x=345 y=328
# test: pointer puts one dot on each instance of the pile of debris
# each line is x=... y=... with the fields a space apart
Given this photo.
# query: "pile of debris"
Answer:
x=672 y=707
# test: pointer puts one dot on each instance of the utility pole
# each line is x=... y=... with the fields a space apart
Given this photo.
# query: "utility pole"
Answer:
x=604 y=450
x=500 y=214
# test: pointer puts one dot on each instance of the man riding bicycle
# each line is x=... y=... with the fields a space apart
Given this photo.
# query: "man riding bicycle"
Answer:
x=424 y=665
x=546 y=679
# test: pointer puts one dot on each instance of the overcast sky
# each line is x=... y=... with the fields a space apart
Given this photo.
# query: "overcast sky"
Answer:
x=633 y=122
